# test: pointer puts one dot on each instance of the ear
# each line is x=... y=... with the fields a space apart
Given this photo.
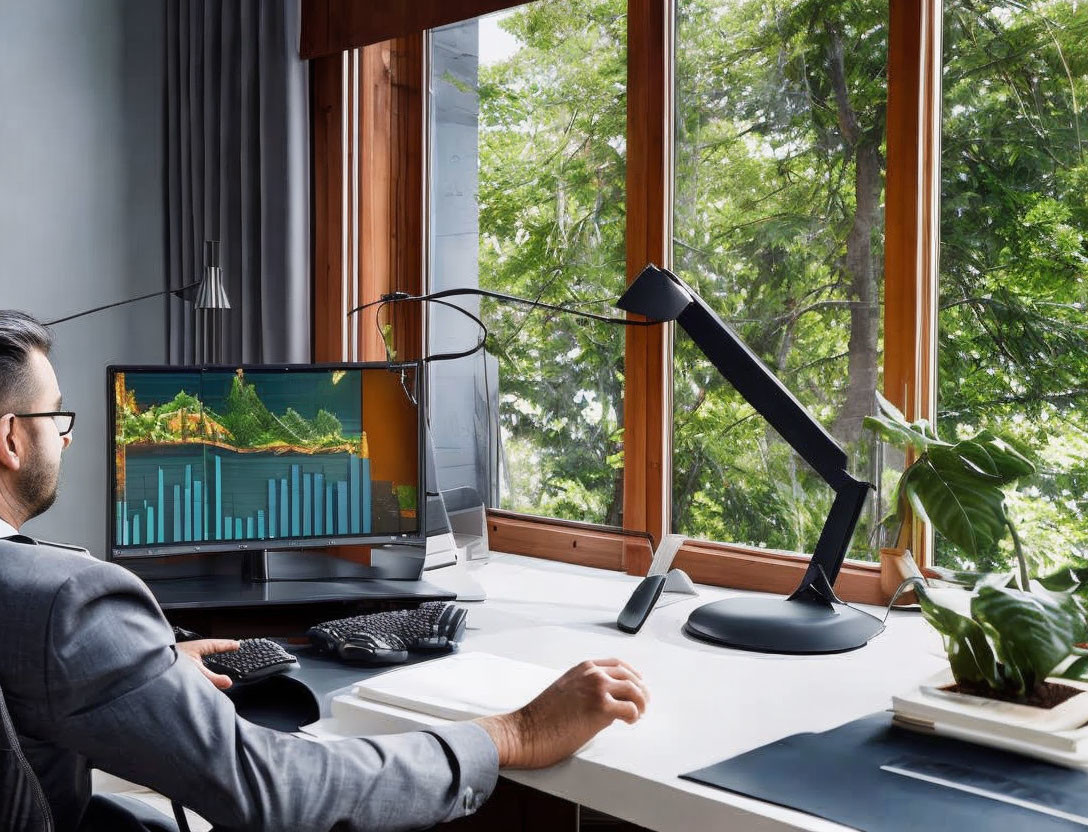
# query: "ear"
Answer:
x=11 y=446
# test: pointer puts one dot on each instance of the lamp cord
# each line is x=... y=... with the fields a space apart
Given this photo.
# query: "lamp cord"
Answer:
x=180 y=289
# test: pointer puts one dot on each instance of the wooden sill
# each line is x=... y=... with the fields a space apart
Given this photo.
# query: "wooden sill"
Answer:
x=717 y=564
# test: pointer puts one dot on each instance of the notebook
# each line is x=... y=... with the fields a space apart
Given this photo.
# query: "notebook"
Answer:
x=459 y=686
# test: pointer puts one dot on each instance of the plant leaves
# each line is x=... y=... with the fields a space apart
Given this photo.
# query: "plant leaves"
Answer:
x=967 y=509
x=1031 y=633
x=969 y=652
x=892 y=426
x=992 y=457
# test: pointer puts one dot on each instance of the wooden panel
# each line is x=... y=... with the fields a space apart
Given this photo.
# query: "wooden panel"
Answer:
x=541 y=539
x=332 y=26
x=391 y=192
x=757 y=569
x=912 y=188
x=328 y=180
x=647 y=393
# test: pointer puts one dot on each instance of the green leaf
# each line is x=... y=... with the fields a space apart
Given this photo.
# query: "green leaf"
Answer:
x=969 y=652
x=967 y=509
x=1031 y=633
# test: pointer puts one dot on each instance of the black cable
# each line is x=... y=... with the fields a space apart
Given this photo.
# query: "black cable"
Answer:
x=397 y=297
x=177 y=291
x=486 y=293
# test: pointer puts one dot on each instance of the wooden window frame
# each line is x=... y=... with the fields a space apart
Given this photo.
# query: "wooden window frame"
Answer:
x=390 y=250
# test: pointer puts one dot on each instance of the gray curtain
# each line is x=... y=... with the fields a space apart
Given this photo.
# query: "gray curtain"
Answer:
x=237 y=170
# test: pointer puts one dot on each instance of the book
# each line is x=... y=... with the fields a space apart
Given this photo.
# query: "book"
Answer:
x=1062 y=730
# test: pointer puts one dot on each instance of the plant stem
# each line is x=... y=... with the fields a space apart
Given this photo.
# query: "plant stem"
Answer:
x=1019 y=549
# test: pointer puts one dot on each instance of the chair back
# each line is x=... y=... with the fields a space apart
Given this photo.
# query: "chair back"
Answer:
x=23 y=807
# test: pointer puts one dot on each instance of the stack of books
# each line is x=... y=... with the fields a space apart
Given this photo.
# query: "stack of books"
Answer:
x=1058 y=735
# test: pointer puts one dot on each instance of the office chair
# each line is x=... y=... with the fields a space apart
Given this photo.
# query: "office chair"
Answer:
x=24 y=807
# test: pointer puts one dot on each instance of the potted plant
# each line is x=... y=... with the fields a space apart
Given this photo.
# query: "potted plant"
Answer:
x=1007 y=638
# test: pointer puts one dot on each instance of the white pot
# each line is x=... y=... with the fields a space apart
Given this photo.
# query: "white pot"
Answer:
x=1070 y=714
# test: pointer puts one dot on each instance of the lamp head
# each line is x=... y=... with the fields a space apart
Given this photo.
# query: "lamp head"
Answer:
x=211 y=294
x=655 y=293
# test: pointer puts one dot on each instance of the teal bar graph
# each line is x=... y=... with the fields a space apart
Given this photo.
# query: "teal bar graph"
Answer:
x=187 y=521
x=296 y=503
x=272 y=508
x=329 y=527
x=342 y=507
x=355 y=493
x=307 y=503
x=177 y=513
x=183 y=507
x=366 y=495
x=285 y=525
x=218 y=498
x=161 y=514
x=198 y=505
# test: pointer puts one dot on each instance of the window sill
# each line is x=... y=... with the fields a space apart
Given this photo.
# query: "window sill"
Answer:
x=717 y=564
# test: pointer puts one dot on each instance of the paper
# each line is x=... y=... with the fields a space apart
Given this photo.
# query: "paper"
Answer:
x=460 y=686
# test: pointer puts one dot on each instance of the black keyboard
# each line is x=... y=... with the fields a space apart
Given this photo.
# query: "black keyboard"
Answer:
x=255 y=659
x=434 y=626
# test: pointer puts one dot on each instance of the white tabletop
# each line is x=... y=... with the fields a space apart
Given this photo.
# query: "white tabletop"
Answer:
x=708 y=702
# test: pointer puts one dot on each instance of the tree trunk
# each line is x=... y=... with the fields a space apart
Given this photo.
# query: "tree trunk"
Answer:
x=865 y=311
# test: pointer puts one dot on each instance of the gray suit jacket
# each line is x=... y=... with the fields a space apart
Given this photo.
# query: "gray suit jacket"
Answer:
x=92 y=677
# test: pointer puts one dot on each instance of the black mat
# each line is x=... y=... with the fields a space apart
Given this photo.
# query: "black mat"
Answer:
x=837 y=775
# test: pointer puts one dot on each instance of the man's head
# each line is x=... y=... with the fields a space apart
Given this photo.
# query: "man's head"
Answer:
x=30 y=446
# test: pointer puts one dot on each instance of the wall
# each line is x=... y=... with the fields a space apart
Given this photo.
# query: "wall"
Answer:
x=81 y=210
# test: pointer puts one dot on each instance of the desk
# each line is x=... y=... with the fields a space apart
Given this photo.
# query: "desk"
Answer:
x=708 y=702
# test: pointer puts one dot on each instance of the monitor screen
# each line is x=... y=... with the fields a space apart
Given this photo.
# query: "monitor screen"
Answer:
x=263 y=457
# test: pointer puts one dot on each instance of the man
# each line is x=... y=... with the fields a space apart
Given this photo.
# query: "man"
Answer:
x=90 y=671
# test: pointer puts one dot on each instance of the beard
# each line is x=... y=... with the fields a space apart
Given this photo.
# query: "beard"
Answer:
x=37 y=487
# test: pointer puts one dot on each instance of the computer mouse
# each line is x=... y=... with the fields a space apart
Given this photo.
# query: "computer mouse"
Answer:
x=373 y=649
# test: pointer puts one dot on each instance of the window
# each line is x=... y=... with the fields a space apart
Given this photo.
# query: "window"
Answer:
x=527 y=165
x=556 y=138
x=1014 y=258
x=778 y=222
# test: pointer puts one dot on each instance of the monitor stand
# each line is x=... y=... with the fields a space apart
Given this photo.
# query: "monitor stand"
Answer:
x=293 y=577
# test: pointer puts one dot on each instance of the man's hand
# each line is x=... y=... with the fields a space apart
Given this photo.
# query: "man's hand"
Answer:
x=195 y=650
x=563 y=718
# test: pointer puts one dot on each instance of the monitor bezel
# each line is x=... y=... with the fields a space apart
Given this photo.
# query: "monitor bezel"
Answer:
x=124 y=553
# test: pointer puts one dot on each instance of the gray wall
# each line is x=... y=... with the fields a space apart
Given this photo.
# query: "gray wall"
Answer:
x=81 y=210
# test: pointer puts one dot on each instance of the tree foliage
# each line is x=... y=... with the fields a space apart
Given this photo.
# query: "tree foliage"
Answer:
x=778 y=224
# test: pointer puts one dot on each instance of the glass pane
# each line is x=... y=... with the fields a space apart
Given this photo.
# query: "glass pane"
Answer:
x=1014 y=259
x=778 y=224
x=527 y=186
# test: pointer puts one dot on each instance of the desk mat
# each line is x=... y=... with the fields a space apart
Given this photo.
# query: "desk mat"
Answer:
x=837 y=775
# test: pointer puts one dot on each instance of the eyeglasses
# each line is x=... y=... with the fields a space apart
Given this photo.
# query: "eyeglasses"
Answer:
x=65 y=420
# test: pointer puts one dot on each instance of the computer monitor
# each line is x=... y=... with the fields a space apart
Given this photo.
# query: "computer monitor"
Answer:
x=212 y=459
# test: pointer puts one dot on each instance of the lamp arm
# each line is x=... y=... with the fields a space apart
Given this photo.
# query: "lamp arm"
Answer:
x=660 y=294
x=179 y=290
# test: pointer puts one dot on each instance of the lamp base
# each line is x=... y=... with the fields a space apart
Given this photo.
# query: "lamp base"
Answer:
x=798 y=625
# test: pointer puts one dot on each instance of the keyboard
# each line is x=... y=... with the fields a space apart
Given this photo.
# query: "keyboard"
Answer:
x=434 y=626
x=255 y=659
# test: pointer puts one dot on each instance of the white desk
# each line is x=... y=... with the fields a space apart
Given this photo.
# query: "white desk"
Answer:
x=708 y=702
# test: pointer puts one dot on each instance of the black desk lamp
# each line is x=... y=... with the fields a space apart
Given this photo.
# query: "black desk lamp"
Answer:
x=209 y=293
x=812 y=619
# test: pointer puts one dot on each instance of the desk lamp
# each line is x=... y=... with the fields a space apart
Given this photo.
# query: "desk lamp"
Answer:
x=812 y=619
x=210 y=293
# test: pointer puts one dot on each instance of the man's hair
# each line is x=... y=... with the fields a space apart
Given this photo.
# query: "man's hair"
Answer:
x=19 y=335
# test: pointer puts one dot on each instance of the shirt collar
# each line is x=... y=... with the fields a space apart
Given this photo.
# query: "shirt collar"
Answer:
x=6 y=529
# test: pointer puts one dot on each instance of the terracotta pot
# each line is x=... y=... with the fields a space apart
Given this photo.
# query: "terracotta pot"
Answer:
x=896 y=565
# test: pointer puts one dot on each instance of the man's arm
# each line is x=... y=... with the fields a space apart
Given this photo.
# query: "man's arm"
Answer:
x=118 y=694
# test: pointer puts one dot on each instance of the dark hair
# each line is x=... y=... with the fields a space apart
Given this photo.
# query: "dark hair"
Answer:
x=19 y=335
